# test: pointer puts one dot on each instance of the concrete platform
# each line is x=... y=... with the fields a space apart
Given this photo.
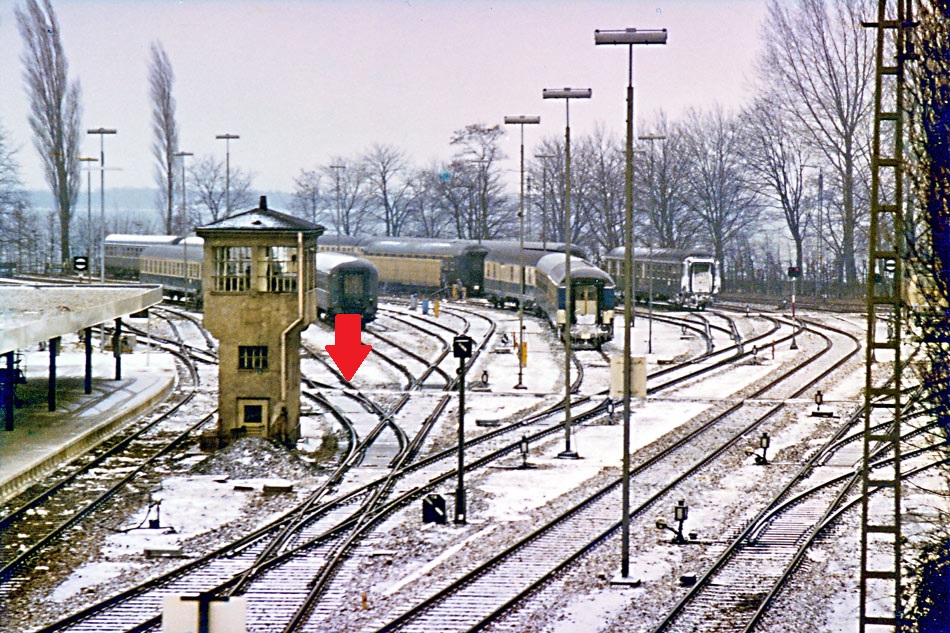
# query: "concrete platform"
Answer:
x=42 y=440
x=29 y=314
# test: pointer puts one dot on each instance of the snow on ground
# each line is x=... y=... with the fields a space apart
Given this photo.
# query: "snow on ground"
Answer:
x=505 y=498
x=39 y=433
x=512 y=491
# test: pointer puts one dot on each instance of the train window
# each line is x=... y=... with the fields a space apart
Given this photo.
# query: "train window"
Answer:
x=252 y=357
x=232 y=268
x=279 y=272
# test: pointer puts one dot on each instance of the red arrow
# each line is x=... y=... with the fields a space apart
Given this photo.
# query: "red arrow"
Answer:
x=348 y=353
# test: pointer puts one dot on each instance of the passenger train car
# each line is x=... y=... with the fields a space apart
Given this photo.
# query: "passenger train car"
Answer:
x=177 y=267
x=411 y=264
x=122 y=252
x=346 y=285
x=592 y=290
x=591 y=321
x=685 y=277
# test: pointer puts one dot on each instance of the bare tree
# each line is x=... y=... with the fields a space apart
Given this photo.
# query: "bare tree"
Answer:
x=349 y=193
x=818 y=68
x=208 y=180
x=54 y=109
x=718 y=193
x=597 y=187
x=13 y=203
x=776 y=158
x=547 y=173
x=386 y=172
x=165 y=129
x=662 y=177
x=309 y=199
x=428 y=217
x=475 y=166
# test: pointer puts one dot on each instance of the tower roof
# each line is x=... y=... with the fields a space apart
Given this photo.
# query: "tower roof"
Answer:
x=260 y=219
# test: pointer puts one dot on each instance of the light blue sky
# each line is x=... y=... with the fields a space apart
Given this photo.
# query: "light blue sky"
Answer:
x=302 y=82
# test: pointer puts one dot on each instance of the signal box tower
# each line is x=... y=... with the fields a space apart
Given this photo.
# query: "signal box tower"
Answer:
x=259 y=292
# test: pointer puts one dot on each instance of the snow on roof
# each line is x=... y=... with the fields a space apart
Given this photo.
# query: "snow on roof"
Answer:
x=29 y=314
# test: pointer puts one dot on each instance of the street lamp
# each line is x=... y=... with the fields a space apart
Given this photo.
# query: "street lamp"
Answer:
x=102 y=199
x=184 y=214
x=544 y=198
x=567 y=94
x=522 y=121
x=628 y=37
x=184 y=207
x=89 y=212
x=339 y=205
x=227 y=169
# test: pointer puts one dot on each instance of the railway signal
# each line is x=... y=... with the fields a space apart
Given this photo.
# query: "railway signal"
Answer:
x=462 y=348
x=680 y=514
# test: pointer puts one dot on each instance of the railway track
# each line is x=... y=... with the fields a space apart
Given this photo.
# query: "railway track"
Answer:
x=484 y=593
x=321 y=532
x=41 y=515
x=739 y=586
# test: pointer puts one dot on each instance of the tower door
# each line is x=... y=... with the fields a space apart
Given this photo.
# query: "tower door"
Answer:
x=252 y=415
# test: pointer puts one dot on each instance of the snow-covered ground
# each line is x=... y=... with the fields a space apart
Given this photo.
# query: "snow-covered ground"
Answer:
x=504 y=502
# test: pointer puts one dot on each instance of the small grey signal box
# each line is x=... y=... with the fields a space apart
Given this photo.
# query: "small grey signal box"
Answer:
x=462 y=346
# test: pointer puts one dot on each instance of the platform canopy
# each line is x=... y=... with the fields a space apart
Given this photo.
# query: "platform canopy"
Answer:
x=30 y=314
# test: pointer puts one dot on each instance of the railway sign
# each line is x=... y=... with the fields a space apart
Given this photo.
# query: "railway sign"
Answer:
x=890 y=265
x=462 y=346
x=80 y=263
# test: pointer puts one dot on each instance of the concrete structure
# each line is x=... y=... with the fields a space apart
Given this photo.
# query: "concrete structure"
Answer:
x=31 y=314
x=257 y=301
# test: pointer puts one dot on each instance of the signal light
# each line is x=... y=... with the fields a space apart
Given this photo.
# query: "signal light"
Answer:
x=794 y=272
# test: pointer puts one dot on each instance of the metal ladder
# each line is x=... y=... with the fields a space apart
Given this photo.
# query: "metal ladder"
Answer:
x=880 y=582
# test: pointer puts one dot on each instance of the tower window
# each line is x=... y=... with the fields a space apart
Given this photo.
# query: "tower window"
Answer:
x=279 y=269
x=232 y=268
x=252 y=357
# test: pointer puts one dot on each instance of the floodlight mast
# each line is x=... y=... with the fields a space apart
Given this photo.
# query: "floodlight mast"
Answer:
x=521 y=120
x=628 y=37
x=567 y=94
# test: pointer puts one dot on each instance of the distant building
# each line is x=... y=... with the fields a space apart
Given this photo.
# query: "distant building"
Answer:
x=258 y=298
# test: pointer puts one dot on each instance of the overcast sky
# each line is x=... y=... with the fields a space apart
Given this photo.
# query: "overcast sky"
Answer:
x=304 y=82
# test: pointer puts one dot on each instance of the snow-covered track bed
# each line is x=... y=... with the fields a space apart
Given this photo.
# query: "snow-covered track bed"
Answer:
x=37 y=519
x=483 y=593
x=735 y=593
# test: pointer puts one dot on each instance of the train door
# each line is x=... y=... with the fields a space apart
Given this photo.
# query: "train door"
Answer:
x=701 y=278
x=585 y=304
